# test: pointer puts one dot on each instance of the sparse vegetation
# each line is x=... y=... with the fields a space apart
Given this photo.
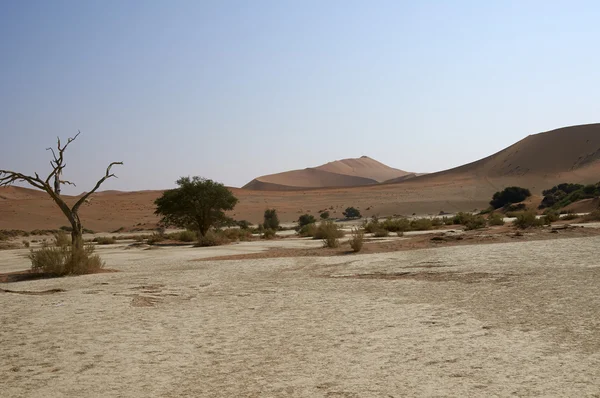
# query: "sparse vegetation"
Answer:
x=351 y=212
x=328 y=231
x=105 y=240
x=381 y=233
x=269 y=233
x=65 y=259
x=271 y=219
x=528 y=219
x=324 y=215
x=593 y=216
x=306 y=219
x=357 y=239
x=211 y=238
x=509 y=196
x=496 y=219
x=563 y=195
x=308 y=230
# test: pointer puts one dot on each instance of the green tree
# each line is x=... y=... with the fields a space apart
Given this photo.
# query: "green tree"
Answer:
x=197 y=204
x=351 y=212
x=306 y=219
x=271 y=220
x=508 y=196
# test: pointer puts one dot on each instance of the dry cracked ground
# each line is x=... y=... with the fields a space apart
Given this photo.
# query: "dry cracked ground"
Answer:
x=514 y=319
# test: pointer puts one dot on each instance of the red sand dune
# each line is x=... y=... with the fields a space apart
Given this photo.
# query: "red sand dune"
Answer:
x=538 y=162
x=340 y=173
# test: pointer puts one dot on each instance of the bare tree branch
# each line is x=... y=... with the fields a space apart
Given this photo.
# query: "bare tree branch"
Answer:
x=8 y=177
x=87 y=195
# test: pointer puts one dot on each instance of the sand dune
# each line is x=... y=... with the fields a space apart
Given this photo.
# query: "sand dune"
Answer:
x=340 y=173
x=537 y=162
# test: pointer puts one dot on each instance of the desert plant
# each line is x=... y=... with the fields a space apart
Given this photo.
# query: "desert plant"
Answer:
x=26 y=243
x=395 y=224
x=243 y=224
x=197 y=204
x=551 y=216
x=52 y=185
x=105 y=240
x=570 y=215
x=155 y=238
x=357 y=239
x=421 y=224
x=328 y=229
x=211 y=238
x=65 y=260
x=61 y=239
x=306 y=219
x=271 y=219
x=351 y=212
x=508 y=196
x=308 y=230
x=496 y=219
x=381 y=233
x=324 y=215
x=527 y=219
x=269 y=233
x=475 y=222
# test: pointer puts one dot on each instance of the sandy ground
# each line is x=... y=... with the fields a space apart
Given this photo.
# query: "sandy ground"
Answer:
x=485 y=320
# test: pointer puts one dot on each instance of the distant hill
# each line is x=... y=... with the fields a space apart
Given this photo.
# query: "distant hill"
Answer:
x=340 y=173
x=569 y=154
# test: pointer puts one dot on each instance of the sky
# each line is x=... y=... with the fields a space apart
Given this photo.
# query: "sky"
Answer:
x=231 y=90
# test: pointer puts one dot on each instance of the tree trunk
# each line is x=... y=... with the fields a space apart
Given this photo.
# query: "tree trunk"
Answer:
x=76 y=233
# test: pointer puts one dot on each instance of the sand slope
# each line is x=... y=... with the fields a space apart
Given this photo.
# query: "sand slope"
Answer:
x=340 y=173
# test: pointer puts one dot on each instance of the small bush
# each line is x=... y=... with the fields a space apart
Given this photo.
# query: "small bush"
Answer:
x=396 y=224
x=211 y=238
x=64 y=260
x=551 y=216
x=269 y=234
x=371 y=226
x=271 y=219
x=475 y=222
x=496 y=219
x=308 y=230
x=527 y=219
x=105 y=240
x=234 y=234
x=328 y=229
x=243 y=224
x=351 y=212
x=61 y=239
x=421 y=224
x=437 y=222
x=324 y=215
x=381 y=233
x=26 y=243
x=306 y=219
x=155 y=238
x=357 y=239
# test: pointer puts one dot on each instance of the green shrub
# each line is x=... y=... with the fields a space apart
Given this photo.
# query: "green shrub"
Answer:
x=64 y=260
x=104 y=240
x=357 y=239
x=26 y=243
x=371 y=226
x=508 y=196
x=328 y=229
x=475 y=222
x=243 y=224
x=527 y=219
x=381 y=233
x=269 y=234
x=351 y=212
x=324 y=215
x=155 y=238
x=306 y=219
x=551 y=216
x=496 y=219
x=308 y=230
x=235 y=234
x=396 y=224
x=421 y=224
x=211 y=238
x=271 y=219
x=436 y=222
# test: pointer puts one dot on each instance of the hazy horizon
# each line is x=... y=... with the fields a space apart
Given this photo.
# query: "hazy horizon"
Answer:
x=232 y=90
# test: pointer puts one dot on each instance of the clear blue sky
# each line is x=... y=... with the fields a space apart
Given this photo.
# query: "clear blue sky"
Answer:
x=231 y=90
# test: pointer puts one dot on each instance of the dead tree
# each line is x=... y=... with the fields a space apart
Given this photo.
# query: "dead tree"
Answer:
x=52 y=186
